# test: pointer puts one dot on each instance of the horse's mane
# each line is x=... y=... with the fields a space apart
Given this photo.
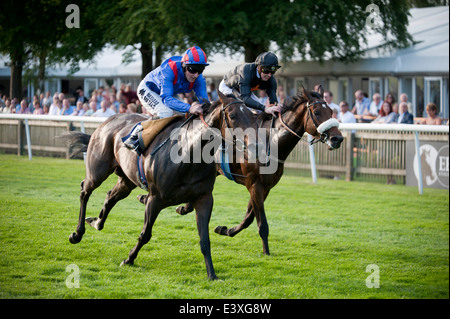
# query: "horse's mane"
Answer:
x=290 y=103
x=211 y=106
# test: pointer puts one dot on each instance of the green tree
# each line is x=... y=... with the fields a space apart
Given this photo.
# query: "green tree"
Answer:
x=137 y=23
x=316 y=29
x=34 y=34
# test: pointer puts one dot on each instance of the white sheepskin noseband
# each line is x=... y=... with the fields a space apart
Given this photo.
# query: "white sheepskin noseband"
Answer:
x=325 y=126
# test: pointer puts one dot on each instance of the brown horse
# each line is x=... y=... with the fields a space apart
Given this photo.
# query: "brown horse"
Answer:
x=170 y=182
x=307 y=112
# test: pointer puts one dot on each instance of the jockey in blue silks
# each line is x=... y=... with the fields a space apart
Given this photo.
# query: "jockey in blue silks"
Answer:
x=175 y=75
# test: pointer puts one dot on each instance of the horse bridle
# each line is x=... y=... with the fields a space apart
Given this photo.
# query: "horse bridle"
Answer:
x=227 y=126
x=322 y=128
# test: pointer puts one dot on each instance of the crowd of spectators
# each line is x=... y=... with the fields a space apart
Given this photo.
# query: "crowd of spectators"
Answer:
x=104 y=102
x=107 y=101
x=380 y=110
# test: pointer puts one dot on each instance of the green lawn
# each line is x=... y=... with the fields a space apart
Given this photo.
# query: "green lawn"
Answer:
x=322 y=238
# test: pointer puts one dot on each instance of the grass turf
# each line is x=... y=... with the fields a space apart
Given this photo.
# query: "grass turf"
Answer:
x=322 y=238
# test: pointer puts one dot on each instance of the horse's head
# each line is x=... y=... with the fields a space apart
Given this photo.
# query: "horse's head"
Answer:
x=232 y=117
x=319 y=121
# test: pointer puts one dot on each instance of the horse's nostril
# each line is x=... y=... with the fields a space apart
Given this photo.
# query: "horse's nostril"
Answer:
x=337 y=139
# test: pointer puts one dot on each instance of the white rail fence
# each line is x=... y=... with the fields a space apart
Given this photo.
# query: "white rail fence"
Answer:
x=359 y=153
x=430 y=130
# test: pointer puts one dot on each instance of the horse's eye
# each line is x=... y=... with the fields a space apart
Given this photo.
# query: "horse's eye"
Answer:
x=232 y=116
x=316 y=113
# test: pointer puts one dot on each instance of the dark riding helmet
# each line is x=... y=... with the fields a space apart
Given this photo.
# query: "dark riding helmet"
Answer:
x=268 y=61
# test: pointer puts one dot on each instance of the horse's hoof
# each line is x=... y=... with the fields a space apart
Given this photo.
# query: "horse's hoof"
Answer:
x=142 y=199
x=126 y=262
x=93 y=222
x=179 y=210
x=74 y=238
x=221 y=230
x=213 y=278
x=184 y=210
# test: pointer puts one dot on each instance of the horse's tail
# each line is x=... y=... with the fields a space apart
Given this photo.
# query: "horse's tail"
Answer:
x=76 y=141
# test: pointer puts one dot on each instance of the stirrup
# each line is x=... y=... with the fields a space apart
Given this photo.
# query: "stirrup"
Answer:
x=132 y=140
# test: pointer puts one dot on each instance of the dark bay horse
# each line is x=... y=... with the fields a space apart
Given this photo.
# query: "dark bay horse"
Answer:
x=307 y=112
x=169 y=182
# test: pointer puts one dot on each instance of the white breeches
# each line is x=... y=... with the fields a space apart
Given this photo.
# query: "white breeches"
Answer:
x=152 y=102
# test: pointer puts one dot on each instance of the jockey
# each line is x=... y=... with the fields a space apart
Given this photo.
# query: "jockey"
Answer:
x=175 y=75
x=249 y=77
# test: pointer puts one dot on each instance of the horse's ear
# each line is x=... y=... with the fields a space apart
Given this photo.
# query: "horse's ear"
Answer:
x=206 y=105
x=306 y=94
x=221 y=96
x=318 y=88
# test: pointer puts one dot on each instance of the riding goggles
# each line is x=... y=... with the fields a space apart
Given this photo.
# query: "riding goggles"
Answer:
x=195 y=68
x=269 y=69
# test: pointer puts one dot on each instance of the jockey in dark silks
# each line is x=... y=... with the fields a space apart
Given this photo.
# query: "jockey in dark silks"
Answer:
x=175 y=75
x=248 y=77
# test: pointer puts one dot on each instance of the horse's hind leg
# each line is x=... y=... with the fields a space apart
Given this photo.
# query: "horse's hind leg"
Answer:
x=121 y=190
x=186 y=209
x=76 y=237
x=182 y=210
x=152 y=209
x=97 y=170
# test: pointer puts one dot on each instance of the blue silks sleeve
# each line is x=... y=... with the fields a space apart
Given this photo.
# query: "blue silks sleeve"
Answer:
x=167 y=91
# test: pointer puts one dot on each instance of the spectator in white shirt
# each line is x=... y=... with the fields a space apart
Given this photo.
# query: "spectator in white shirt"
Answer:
x=375 y=105
x=328 y=97
x=345 y=116
x=104 y=111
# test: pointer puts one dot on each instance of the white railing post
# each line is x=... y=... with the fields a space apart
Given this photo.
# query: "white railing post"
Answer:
x=419 y=164
x=83 y=131
x=312 y=159
x=27 y=132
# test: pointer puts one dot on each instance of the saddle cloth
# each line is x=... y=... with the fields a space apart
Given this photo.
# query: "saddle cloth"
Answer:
x=222 y=157
x=153 y=127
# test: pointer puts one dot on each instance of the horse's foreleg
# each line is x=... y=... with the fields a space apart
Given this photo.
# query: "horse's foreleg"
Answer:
x=248 y=220
x=152 y=210
x=86 y=192
x=121 y=190
x=203 y=208
x=257 y=197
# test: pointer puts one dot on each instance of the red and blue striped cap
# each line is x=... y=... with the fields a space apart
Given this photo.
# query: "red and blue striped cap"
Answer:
x=195 y=55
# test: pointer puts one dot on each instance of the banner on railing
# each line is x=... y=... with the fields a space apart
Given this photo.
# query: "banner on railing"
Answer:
x=434 y=160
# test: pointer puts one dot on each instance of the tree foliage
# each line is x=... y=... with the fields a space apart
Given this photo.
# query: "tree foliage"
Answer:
x=34 y=33
x=312 y=29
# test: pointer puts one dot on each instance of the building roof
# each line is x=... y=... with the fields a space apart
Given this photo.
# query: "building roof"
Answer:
x=429 y=28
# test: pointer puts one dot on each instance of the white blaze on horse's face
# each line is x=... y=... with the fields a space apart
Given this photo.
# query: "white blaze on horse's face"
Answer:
x=241 y=108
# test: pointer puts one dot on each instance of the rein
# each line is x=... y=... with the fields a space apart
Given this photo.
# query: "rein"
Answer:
x=225 y=140
x=322 y=128
x=227 y=126
x=168 y=138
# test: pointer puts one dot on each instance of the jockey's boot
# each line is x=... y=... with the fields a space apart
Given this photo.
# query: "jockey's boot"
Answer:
x=133 y=140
